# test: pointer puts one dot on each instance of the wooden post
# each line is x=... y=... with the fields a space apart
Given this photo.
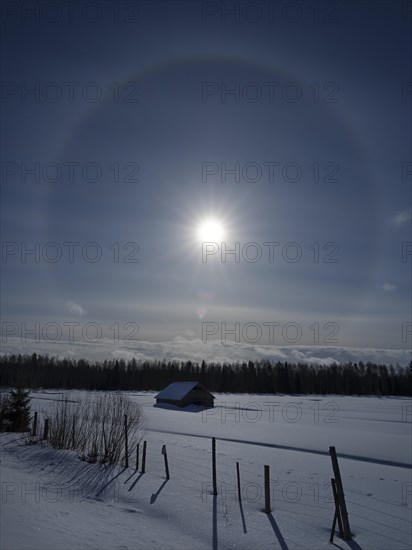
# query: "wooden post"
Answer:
x=214 y=466
x=144 y=458
x=34 y=429
x=239 y=493
x=267 y=490
x=126 y=444
x=347 y=535
x=46 y=429
x=137 y=457
x=337 y=513
x=164 y=453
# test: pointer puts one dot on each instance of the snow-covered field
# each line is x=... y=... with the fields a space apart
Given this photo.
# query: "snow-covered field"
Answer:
x=52 y=500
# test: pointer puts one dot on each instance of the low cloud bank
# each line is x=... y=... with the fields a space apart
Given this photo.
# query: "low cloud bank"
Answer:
x=182 y=349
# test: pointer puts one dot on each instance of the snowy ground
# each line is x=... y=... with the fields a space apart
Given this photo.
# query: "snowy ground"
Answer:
x=52 y=500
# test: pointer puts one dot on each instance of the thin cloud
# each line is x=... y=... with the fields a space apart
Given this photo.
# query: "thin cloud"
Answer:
x=388 y=287
x=401 y=218
x=76 y=309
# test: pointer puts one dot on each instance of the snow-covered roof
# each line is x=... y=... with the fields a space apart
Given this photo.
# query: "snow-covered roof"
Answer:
x=176 y=390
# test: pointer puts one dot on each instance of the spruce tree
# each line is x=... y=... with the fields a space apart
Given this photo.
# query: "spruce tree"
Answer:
x=17 y=414
x=4 y=406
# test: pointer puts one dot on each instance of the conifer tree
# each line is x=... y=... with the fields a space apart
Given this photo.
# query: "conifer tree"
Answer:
x=17 y=414
x=4 y=406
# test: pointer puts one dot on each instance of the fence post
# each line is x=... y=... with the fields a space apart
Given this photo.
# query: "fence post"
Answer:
x=34 y=429
x=164 y=453
x=137 y=457
x=239 y=493
x=126 y=444
x=347 y=535
x=46 y=429
x=144 y=458
x=267 y=490
x=214 y=466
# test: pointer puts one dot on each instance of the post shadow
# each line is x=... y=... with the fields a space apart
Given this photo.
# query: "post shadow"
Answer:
x=109 y=482
x=135 y=481
x=155 y=495
x=130 y=477
x=242 y=516
x=277 y=532
x=351 y=543
x=214 y=539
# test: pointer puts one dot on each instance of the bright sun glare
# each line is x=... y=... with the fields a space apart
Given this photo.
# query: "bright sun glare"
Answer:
x=211 y=230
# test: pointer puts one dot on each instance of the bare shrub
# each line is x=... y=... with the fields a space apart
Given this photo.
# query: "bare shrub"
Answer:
x=96 y=428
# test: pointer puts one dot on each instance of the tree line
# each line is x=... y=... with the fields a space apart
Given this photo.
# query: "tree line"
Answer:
x=42 y=371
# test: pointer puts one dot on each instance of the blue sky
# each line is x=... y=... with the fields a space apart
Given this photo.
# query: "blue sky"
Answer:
x=146 y=110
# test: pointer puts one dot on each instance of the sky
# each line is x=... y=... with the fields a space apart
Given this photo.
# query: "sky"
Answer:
x=207 y=176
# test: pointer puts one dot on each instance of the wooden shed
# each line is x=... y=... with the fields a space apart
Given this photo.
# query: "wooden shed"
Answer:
x=185 y=393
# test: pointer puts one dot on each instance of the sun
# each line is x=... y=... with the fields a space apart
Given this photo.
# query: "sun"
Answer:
x=211 y=230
